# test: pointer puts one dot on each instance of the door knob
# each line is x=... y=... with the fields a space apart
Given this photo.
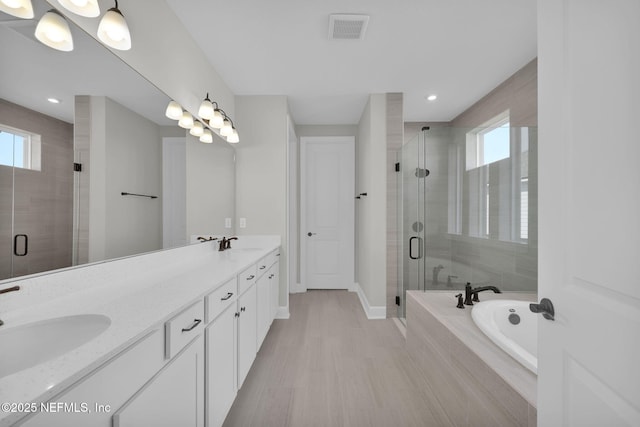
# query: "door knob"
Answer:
x=311 y=234
x=545 y=308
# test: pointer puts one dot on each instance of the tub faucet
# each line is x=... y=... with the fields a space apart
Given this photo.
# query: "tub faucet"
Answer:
x=449 y=282
x=471 y=294
x=5 y=291
x=435 y=272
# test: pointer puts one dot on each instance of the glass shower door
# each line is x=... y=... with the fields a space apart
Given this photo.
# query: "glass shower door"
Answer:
x=412 y=219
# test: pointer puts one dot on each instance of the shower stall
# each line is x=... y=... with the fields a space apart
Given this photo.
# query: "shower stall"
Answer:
x=467 y=209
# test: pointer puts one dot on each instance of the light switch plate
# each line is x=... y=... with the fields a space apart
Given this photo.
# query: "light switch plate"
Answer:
x=243 y=222
x=227 y=223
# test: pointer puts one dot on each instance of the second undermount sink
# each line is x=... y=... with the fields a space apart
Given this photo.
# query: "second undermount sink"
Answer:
x=29 y=345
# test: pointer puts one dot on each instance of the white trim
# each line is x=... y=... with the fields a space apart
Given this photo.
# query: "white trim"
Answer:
x=297 y=288
x=372 y=312
x=283 y=313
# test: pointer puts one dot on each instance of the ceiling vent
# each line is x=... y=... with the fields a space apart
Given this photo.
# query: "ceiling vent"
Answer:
x=347 y=27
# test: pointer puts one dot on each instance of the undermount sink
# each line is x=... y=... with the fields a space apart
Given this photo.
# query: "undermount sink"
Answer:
x=29 y=345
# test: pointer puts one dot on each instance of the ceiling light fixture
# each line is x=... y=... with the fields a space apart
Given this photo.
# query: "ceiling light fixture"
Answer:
x=53 y=100
x=432 y=97
x=18 y=8
x=88 y=8
x=197 y=129
x=186 y=121
x=53 y=31
x=207 y=137
x=113 y=29
x=173 y=111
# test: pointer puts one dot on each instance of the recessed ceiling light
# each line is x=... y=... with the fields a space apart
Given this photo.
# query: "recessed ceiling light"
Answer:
x=432 y=97
x=53 y=100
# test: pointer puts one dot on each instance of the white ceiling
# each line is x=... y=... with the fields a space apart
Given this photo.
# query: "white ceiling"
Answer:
x=32 y=72
x=457 y=49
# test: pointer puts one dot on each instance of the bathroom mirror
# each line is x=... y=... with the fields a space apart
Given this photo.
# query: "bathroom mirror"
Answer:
x=65 y=165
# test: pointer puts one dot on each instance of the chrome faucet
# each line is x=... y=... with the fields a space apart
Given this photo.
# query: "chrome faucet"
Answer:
x=226 y=243
x=435 y=272
x=471 y=294
x=5 y=291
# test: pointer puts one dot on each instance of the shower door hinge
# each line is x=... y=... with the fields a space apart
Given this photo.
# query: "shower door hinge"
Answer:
x=397 y=167
x=397 y=300
x=77 y=167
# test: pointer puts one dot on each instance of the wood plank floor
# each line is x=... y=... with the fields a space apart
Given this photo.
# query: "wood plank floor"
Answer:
x=329 y=366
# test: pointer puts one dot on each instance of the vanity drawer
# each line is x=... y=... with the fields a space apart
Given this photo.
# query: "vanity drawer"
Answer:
x=184 y=327
x=246 y=279
x=262 y=266
x=221 y=298
x=273 y=257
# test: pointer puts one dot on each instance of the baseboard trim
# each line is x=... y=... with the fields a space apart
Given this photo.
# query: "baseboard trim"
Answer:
x=297 y=288
x=372 y=312
x=283 y=313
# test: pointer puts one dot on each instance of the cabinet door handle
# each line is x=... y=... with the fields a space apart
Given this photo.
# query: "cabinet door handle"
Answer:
x=263 y=267
x=250 y=277
x=243 y=308
x=229 y=295
x=237 y=314
x=271 y=276
x=277 y=254
x=195 y=323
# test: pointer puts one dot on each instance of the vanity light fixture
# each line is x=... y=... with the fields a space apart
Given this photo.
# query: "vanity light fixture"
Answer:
x=234 y=138
x=207 y=137
x=186 y=121
x=227 y=127
x=206 y=109
x=197 y=129
x=53 y=31
x=18 y=8
x=174 y=111
x=113 y=29
x=88 y=8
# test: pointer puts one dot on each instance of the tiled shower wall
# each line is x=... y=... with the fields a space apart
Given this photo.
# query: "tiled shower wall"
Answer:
x=43 y=199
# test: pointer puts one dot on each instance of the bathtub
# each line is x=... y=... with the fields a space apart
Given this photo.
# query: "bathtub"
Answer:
x=512 y=327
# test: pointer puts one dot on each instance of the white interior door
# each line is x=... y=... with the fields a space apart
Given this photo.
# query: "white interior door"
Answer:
x=589 y=220
x=327 y=212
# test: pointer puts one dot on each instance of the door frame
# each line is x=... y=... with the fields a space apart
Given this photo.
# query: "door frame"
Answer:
x=304 y=141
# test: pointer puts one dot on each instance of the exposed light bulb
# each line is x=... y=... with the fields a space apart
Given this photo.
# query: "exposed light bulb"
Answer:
x=174 y=111
x=88 y=8
x=197 y=129
x=18 y=8
x=53 y=31
x=226 y=128
x=186 y=121
x=114 y=31
x=207 y=137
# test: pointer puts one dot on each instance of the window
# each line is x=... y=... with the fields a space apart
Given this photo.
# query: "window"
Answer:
x=489 y=181
x=19 y=148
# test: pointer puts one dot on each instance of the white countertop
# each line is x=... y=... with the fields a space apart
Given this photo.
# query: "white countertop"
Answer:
x=138 y=294
x=442 y=305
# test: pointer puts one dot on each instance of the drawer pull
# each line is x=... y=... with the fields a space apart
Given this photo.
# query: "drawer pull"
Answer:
x=196 y=322
x=243 y=308
x=277 y=254
x=229 y=295
x=263 y=267
x=237 y=314
x=271 y=276
x=250 y=277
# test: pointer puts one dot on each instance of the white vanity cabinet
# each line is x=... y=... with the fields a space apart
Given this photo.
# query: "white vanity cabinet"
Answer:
x=263 y=290
x=173 y=397
x=275 y=287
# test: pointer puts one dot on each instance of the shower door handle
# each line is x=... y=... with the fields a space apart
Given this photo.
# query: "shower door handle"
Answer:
x=419 y=240
x=15 y=245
